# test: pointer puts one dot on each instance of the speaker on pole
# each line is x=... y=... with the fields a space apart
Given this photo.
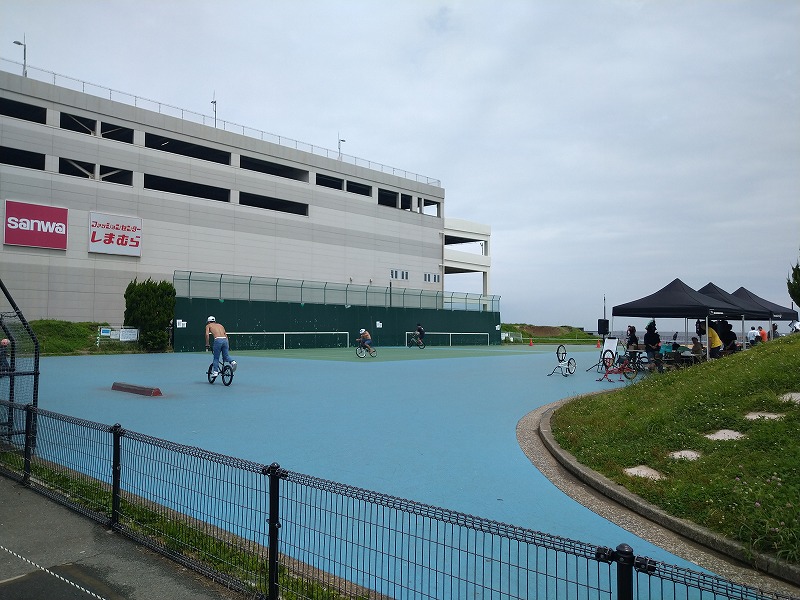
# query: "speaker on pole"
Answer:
x=602 y=326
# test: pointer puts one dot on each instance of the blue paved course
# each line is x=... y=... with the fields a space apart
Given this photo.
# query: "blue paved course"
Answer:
x=436 y=426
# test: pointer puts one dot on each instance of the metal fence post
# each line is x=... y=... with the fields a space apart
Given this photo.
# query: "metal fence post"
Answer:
x=275 y=474
x=116 y=471
x=624 y=559
x=29 y=416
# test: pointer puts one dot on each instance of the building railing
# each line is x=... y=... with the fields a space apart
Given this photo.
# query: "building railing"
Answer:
x=195 y=284
x=269 y=532
x=211 y=121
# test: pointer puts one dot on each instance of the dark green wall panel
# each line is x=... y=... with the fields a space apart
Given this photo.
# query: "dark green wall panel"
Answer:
x=249 y=316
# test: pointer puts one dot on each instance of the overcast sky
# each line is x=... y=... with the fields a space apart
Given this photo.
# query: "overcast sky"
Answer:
x=611 y=146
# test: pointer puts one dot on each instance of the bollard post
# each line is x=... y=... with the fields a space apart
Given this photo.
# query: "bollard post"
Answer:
x=26 y=469
x=275 y=474
x=116 y=472
x=624 y=558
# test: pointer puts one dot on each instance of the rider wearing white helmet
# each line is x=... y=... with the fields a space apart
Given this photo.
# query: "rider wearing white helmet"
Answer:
x=221 y=345
x=364 y=338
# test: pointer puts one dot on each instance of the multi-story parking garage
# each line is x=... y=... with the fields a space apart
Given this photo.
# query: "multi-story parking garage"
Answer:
x=100 y=188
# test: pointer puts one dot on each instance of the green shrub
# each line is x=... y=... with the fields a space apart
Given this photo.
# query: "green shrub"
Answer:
x=150 y=306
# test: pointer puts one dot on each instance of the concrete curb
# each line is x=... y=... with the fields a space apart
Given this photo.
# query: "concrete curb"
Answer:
x=692 y=531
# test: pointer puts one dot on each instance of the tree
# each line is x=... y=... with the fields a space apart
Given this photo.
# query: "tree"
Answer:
x=150 y=307
x=793 y=284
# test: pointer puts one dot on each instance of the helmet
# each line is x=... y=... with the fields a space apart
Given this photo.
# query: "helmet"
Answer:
x=211 y=320
x=361 y=330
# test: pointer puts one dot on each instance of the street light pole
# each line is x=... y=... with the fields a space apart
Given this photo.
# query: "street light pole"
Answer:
x=340 y=145
x=24 y=55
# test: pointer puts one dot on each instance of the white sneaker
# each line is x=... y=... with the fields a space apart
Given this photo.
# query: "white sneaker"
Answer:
x=214 y=373
x=233 y=365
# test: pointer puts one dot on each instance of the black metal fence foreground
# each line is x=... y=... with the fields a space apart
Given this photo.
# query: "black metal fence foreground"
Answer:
x=271 y=533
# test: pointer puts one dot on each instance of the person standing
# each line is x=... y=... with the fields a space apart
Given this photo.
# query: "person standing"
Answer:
x=714 y=342
x=652 y=343
x=752 y=336
x=774 y=335
x=4 y=364
x=220 y=344
x=632 y=342
x=763 y=333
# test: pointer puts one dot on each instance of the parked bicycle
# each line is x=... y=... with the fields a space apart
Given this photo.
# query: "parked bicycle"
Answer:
x=567 y=367
x=637 y=359
x=612 y=367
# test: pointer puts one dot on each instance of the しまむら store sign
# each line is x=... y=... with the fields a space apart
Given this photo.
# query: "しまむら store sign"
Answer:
x=35 y=225
x=115 y=234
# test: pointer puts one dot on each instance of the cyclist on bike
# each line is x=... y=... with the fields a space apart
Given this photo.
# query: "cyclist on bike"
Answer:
x=364 y=338
x=420 y=334
x=220 y=344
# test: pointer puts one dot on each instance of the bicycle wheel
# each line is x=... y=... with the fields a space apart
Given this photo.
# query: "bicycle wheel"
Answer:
x=561 y=353
x=372 y=351
x=570 y=367
x=608 y=359
x=361 y=351
x=643 y=364
x=227 y=375
x=410 y=341
x=211 y=378
x=420 y=344
x=629 y=371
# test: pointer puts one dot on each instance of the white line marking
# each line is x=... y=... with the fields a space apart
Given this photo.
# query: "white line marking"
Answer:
x=56 y=575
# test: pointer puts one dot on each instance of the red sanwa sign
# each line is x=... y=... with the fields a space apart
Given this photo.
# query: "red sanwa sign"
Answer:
x=35 y=225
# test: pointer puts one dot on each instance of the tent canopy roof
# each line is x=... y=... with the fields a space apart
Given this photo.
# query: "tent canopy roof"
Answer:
x=777 y=313
x=676 y=300
x=747 y=308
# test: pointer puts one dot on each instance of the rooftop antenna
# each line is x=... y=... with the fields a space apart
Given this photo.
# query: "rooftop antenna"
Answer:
x=214 y=102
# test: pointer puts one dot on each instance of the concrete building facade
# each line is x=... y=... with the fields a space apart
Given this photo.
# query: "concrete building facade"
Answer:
x=95 y=192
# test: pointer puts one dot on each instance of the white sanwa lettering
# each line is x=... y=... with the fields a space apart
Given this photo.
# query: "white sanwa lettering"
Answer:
x=36 y=225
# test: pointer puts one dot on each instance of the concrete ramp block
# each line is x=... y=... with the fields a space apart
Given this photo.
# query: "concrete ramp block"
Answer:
x=131 y=388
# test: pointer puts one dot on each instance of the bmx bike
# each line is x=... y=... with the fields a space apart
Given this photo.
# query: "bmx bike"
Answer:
x=362 y=350
x=225 y=371
x=567 y=367
x=613 y=367
x=415 y=341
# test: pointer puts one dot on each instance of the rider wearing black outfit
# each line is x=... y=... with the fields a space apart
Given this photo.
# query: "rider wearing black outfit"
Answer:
x=420 y=333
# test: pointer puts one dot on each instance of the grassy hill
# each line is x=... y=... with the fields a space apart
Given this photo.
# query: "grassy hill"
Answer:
x=549 y=333
x=747 y=489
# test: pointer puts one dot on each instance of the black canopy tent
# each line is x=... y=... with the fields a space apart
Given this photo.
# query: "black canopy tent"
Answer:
x=777 y=313
x=749 y=310
x=677 y=300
